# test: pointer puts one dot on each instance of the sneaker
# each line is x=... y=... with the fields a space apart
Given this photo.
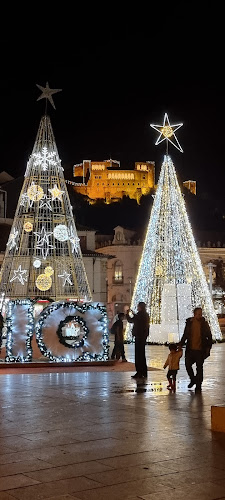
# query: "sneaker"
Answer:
x=191 y=384
x=135 y=376
x=198 y=390
x=124 y=360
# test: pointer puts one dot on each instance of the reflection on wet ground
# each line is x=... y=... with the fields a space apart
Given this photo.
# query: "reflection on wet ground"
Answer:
x=106 y=436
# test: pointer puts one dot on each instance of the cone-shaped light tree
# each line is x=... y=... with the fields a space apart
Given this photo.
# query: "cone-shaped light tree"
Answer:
x=43 y=256
x=170 y=278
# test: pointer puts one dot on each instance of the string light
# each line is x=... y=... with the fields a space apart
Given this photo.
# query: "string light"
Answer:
x=170 y=258
x=43 y=207
x=35 y=192
x=49 y=271
x=12 y=239
x=43 y=282
x=28 y=226
x=61 y=232
x=29 y=328
x=37 y=263
x=66 y=278
x=44 y=159
x=20 y=274
x=82 y=309
x=167 y=132
x=56 y=193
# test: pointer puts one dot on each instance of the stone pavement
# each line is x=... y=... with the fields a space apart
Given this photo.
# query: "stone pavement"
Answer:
x=100 y=436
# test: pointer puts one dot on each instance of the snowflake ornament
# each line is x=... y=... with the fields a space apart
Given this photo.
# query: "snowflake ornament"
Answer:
x=44 y=159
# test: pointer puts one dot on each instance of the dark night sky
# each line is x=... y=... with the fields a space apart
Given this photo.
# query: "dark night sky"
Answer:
x=118 y=75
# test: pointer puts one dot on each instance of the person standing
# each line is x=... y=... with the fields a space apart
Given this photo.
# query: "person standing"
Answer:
x=173 y=363
x=140 y=333
x=117 y=330
x=198 y=339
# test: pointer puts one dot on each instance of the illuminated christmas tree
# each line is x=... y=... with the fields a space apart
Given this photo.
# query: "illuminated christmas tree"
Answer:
x=43 y=256
x=170 y=278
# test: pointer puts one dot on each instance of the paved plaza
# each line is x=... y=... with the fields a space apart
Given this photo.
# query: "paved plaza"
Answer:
x=99 y=435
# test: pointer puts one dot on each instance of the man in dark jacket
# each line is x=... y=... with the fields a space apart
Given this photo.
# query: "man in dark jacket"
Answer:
x=198 y=339
x=140 y=332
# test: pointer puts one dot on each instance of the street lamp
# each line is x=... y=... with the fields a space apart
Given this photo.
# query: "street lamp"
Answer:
x=210 y=265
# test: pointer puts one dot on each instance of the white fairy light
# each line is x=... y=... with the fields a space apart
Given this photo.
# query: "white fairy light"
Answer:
x=44 y=159
x=23 y=199
x=45 y=202
x=20 y=275
x=12 y=239
x=66 y=278
x=35 y=192
x=56 y=193
x=61 y=232
x=43 y=242
x=74 y=240
x=37 y=263
x=170 y=255
x=167 y=132
x=43 y=282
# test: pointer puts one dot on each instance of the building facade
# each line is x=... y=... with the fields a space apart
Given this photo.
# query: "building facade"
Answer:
x=191 y=186
x=105 y=180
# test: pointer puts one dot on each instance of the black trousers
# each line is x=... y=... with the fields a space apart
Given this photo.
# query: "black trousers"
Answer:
x=195 y=357
x=172 y=374
x=118 y=350
x=140 y=359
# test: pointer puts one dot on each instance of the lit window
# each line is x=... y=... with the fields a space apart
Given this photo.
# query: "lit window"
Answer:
x=118 y=271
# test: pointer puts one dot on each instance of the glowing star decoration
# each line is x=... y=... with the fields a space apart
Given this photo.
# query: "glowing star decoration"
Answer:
x=61 y=232
x=49 y=271
x=20 y=275
x=66 y=278
x=44 y=159
x=35 y=192
x=28 y=226
x=43 y=282
x=43 y=242
x=45 y=202
x=56 y=193
x=47 y=93
x=74 y=240
x=12 y=239
x=37 y=263
x=167 y=133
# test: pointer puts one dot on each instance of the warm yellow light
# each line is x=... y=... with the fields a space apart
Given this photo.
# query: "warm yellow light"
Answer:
x=35 y=192
x=43 y=282
x=167 y=131
x=28 y=226
x=49 y=271
x=159 y=270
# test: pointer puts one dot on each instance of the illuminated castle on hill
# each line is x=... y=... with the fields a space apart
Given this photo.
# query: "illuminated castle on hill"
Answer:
x=105 y=180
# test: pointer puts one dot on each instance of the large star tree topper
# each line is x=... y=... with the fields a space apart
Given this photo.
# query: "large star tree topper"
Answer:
x=167 y=133
x=47 y=93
